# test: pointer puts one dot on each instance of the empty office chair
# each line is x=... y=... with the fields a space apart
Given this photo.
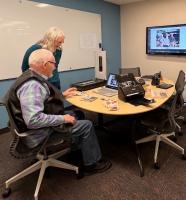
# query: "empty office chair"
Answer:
x=180 y=84
x=133 y=70
x=162 y=125
x=52 y=147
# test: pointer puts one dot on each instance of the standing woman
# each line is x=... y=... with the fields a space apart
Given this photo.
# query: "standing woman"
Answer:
x=52 y=40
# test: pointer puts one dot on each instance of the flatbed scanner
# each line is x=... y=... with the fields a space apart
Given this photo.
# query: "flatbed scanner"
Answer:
x=89 y=84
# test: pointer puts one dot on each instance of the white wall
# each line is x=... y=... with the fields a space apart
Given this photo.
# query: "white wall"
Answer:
x=135 y=17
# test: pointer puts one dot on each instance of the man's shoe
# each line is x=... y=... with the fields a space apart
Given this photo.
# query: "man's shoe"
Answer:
x=101 y=166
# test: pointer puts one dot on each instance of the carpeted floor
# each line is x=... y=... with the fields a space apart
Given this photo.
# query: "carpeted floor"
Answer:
x=121 y=182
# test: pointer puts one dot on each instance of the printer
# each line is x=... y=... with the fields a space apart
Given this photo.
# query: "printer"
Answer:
x=129 y=89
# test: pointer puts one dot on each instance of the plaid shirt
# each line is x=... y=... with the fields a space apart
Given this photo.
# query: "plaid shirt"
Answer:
x=32 y=96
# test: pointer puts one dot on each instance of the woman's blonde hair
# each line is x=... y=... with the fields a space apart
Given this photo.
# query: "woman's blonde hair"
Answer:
x=49 y=38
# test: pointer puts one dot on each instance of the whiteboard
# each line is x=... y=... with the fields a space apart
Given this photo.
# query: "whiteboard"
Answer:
x=23 y=23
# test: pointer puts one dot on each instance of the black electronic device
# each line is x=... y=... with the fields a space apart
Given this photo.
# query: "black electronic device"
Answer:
x=168 y=39
x=156 y=79
x=164 y=86
x=128 y=88
x=89 y=84
x=142 y=101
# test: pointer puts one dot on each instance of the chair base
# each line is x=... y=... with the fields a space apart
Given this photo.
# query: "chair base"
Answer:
x=41 y=164
x=158 y=138
x=180 y=133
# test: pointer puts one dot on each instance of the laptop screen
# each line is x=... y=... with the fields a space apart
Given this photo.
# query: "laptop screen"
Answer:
x=112 y=81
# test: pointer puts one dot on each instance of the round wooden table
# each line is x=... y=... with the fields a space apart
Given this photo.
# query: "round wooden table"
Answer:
x=124 y=108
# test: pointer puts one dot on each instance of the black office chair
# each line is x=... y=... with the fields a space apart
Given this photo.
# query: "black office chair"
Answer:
x=180 y=84
x=161 y=123
x=51 y=148
x=133 y=70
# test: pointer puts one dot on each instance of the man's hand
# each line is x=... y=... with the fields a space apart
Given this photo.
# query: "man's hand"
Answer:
x=69 y=119
x=70 y=92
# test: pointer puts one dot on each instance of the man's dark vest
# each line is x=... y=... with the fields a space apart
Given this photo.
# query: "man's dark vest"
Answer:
x=52 y=105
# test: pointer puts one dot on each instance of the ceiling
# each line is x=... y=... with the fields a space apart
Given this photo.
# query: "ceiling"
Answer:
x=121 y=2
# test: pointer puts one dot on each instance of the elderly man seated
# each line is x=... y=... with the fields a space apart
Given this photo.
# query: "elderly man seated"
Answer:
x=39 y=109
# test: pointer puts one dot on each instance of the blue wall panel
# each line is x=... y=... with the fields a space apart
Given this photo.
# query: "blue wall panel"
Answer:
x=110 y=22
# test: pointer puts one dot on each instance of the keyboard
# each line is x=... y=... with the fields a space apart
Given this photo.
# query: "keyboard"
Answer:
x=106 y=91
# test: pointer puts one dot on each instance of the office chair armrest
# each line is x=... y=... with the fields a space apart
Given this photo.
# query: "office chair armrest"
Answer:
x=21 y=134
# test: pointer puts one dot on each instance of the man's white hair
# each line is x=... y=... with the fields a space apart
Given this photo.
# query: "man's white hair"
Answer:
x=39 y=57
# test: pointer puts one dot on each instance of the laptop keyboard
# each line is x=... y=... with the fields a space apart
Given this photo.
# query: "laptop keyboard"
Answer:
x=106 y=92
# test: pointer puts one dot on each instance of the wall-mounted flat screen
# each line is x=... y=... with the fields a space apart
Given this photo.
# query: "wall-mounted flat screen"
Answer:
x=169 y=39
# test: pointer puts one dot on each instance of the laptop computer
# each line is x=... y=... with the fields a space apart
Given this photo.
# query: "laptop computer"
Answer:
x=111 y=88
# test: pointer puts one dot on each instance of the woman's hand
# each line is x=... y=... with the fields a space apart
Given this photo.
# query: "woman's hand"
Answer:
x=70 y=92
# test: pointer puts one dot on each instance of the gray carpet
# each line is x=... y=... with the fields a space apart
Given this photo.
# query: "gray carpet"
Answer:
x=121 y=182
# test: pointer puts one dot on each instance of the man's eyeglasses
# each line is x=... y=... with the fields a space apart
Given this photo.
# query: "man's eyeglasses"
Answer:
x=51 y=62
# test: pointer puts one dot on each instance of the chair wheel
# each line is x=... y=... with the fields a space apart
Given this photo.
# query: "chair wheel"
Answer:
x=174 y=139
x=180 y=133
x=80 y=174
x=6 y=193
x=183 y=157
x=156 y=165
x=47 y=172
